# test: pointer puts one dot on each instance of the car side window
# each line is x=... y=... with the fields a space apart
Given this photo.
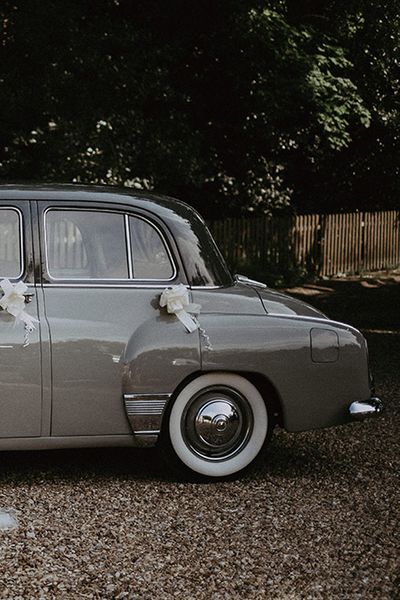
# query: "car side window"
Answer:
x=150 y=257
x=10 y=243
x=86 y=244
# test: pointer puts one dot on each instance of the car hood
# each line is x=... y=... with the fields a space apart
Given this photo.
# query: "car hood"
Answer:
x=250 y=297
x=276 y=303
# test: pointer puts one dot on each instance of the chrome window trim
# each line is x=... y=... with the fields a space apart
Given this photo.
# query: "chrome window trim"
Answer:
x=73 y=209
x=112 y=284
x=128 y=246
x=166 y=246
x=21 y=242
x=107 y=282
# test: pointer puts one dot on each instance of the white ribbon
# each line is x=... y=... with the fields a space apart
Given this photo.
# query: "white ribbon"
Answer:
x=13 y=302
x=176 y=299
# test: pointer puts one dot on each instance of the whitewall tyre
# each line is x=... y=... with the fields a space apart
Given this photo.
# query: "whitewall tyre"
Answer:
x=218 y=424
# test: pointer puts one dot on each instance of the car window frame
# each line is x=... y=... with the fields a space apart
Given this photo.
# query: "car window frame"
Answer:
x=129 y=281
x=131 y=256
x=22 y=243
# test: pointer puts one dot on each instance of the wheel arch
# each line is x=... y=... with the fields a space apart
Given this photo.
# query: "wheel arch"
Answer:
x=269 y=394
x=266 y=388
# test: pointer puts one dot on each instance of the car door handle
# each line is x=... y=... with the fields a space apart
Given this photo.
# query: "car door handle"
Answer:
x=29 y=297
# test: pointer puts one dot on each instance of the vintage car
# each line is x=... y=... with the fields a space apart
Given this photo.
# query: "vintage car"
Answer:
x=120 y=325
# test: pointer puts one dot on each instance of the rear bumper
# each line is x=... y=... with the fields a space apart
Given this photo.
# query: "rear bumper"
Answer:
x=366 y=408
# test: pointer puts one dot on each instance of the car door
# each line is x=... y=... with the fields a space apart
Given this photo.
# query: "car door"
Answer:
x=102 y=311
x=20 y=355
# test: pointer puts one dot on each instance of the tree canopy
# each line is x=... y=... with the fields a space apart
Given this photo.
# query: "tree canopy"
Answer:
x=232 y=106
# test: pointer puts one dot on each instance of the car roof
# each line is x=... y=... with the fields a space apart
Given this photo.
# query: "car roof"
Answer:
x=203 y=261
x=161 y=204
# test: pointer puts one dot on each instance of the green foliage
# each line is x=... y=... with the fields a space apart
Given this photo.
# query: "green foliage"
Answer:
x=234 y=106
x=336 y=98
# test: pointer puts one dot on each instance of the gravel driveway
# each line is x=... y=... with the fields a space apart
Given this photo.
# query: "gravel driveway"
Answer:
x=318 y=517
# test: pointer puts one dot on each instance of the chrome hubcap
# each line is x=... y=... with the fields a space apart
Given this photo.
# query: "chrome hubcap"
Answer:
x=217 y=423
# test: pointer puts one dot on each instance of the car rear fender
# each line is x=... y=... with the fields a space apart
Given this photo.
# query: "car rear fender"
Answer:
x=315 y=388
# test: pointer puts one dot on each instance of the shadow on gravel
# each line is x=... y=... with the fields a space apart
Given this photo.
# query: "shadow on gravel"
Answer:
x=74 y=465
x=288 y=455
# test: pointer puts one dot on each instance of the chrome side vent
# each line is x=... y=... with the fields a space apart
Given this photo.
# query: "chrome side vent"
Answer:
x=145 y=412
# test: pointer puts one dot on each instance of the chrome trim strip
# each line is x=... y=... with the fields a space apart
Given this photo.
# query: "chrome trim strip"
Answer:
x=146 y=396
x=133 y=410
x=207 y=287
x=296 y=317
x=147 y=432
x=112 y=284
x=21 y=241
x=124 y=214
x=128 y=246
x=322 y=320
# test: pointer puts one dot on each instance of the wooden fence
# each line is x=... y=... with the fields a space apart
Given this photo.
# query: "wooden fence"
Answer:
x=323 y=245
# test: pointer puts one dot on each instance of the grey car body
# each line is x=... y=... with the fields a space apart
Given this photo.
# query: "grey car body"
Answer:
x=105 y=363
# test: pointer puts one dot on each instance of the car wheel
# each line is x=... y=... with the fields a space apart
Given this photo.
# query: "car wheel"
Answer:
x=218 y=424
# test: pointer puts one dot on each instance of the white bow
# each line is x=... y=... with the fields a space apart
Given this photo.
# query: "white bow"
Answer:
x=176 y=299
x=13 y=302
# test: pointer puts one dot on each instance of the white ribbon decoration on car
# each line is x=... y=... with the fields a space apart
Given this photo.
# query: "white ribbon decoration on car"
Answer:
x=176 y=299
x=13 y=302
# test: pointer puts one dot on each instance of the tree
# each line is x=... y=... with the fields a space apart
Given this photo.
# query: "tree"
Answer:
x=364 y=173
x=234 y=105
